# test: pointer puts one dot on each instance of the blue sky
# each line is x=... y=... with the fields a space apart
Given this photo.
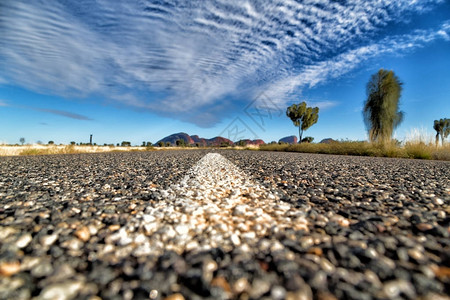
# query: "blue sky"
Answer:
x=141 y=70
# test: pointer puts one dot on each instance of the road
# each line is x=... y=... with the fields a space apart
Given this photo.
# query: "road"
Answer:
x=223 y=224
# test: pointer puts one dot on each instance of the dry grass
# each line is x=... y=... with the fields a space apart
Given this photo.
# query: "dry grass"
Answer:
x=63 y=149
x=418 y=150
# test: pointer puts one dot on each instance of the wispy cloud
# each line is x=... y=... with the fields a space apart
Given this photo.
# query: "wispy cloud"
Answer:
x=188 y=58
x=63 y=113
x=345 y=62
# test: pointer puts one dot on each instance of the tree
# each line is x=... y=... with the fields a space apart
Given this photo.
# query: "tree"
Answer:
x=308 y=139
x=161 y=144
x=22 y=140
x=180 y=143
x=242 y=143
x=125 y=144
x=381 y=114
x=51 y=142
x=442 y=128
x=302 y=116
x=168 y=144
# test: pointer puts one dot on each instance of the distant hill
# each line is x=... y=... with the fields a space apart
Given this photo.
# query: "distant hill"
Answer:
x=200 y=141
x=327 y=141
x=177 y=136
x=195 y=140
x=218 y=141
x=292 y=139
x=249 y=142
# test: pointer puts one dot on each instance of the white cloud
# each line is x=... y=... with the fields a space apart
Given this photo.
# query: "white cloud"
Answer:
x=326 y=70
x=190 y=56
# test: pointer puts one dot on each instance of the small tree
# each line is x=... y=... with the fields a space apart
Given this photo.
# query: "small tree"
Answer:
x=442 y=128
x=168 y=144
x=242 y=143
x=72 y=143
x=161 y=144
x=22 y=140
x=51 y=142
x=308 y=139
x=381 y=114
x=181 y=143
x=302 y=116
x=125 y=144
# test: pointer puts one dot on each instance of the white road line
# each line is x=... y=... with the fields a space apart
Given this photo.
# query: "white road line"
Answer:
x=215 y=205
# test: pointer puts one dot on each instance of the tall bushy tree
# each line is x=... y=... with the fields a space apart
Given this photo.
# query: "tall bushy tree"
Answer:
x=442 y=128
x=302 y=116
x=381 y=113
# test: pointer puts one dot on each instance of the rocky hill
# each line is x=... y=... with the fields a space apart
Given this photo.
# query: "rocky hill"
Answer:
x=292 y=139
x=249 y=142
x=327 y=141
x=195 y=140
x=172 y=139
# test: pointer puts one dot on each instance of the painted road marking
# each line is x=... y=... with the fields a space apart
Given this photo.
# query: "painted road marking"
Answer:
x=215 y=205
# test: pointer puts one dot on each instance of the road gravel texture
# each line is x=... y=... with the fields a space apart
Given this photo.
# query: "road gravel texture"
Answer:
x=223 y=224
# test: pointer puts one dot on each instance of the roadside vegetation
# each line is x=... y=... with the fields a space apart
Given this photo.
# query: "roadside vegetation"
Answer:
x=381 y=116
x=36 y=149
x=302 y=116
x=418 y=150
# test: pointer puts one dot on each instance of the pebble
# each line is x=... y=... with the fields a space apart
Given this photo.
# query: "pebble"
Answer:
x=24 y=240
x=83 y=233
x=42 y=269
x=235 y=239
x=48 y=240
x=9 y=268
x=424 y=226
x=278 y=292
x=176 y=296
x=61 y=291
x=392 y=289
x=222 y=283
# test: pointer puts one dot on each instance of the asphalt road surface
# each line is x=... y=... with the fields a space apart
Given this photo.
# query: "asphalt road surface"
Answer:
x=223 y=225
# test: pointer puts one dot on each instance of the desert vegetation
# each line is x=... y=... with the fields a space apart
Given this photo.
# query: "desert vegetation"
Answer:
x=418 y=147
x=36 y=149
x=381 y=109
x=302 y=116
x=381 y=116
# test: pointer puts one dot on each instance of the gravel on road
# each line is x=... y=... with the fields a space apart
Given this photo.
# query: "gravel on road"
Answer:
x=223 y=225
